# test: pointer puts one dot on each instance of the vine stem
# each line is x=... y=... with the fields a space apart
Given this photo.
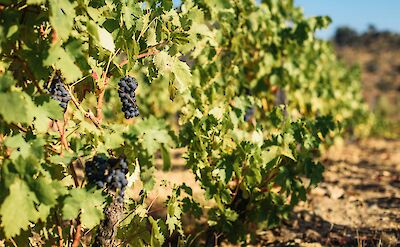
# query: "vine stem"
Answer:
x=61 y=242
x=238 y=183
x=13 y=242
x=87 y=114
x=61 y=130
x=18 y=126
x=147 y=54
x=101 y=99
x=103 y=88
x=77 y=237
x=74 y=176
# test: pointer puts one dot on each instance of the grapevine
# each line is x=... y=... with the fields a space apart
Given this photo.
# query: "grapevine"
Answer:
x=249 y=153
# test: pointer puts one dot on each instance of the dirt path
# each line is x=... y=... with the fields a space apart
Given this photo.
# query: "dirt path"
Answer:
x=358 y=204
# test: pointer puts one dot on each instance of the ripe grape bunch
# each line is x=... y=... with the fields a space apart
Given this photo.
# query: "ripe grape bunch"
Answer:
x=59 y=92
x=127 y=86
x=108 y=172
x=249 y=113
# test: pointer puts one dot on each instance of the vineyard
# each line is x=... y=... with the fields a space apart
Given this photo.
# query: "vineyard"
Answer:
x=143 y=123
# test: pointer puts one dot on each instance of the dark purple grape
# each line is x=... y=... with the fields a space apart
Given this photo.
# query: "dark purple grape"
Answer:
x=249 y=113
x=100 y=184
x=127 y=86
x=59 y=92
x=111 y=173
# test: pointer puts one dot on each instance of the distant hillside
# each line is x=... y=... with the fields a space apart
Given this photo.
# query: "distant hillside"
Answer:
x=378 y=55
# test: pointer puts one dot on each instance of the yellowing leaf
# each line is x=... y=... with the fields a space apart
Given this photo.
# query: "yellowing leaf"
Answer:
x=217 y=112
x=105 y=39
x=183 y=77
x=35 y=1
x=163 y=62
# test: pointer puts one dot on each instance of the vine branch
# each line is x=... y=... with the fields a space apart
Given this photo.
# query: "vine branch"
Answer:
x=61 y=241
x=77 y=237
x=87 y=114
x=101 y=99
x=147 y=54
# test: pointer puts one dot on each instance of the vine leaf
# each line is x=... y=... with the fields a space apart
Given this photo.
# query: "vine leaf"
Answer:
x=16 y=107
x=47 y=191
x=174 y=216
x=127 y=15
x=106 y=39
x=183 y=77
x=157 y=238
x=6 y=81
x=24 y=200
x=173 y=66
x=64 y=62
x=19 y=146
x=152 y=133
x=166 y=156
x=88 y=204
x=35 y=1
x=101 y=36
x=62 y=17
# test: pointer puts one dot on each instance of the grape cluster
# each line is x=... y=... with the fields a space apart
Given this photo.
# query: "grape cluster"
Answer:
x=116 y=178
x=59 y=92
x=127 y=86
x=249 y=113
x=96 y=169
x=108 y=172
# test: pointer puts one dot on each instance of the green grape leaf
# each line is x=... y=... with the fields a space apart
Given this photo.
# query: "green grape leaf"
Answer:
x=157 y=238
x=173 y=216
x=18 y=209
x=32 y=2
x=181 y=71
x=163 y=62
x=101 y=36
x=53 y=109
x=147 y=177
x=88 y=204
x=46 y=191
x=64 y=62
x=6 y=81
x=152 y=133
x=114 y=139
x=151 y=35
x=127 y=15
x=16 y=107
x=62 y=17
x=172 y=222
x=41 y=121
x=183 y=77
x=18 y=146
x=166 y=158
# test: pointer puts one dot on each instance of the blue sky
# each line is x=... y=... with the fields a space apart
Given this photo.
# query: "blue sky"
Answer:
x=358 y=14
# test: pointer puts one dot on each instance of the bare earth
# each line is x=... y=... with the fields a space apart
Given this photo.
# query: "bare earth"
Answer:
x=357 y=204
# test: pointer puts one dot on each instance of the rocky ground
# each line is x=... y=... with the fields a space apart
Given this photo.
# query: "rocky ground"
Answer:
x=358 y=204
